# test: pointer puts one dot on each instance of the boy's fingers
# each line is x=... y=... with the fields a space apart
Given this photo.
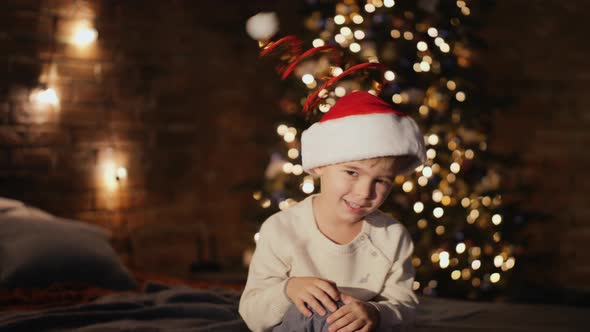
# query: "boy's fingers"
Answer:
x=342 y=311
x=314 y=304
x=330 y=289
x=355 y=325
x=346 y=299
x=300 y=305
x=341 y=323
x=323 y=298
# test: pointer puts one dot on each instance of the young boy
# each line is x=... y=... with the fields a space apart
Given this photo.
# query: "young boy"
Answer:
x=334 y=262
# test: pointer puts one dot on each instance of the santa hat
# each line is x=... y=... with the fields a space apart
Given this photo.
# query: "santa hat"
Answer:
x=362 y=126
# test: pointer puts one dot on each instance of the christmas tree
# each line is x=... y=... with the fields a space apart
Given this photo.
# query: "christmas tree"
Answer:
x=454 y=206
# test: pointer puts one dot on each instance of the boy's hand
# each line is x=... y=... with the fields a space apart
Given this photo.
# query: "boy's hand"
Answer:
x=354 y=315
x=313 y=291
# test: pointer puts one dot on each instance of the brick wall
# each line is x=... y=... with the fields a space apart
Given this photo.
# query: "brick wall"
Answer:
x=538 y=54
x=177 y=92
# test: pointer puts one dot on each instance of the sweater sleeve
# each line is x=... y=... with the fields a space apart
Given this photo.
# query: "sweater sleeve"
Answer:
x=397 y=302
x=264 y=302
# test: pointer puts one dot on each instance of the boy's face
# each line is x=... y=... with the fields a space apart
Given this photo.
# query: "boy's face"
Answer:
x=354 y=189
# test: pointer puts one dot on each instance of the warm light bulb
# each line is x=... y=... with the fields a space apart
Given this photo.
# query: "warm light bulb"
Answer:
x=423 y=181
x=287 y=168
x=497 y=219
x=389 y=3
x=359 y=34
x=49 y=96
x=289 y=137
x=431 y=153
x=121 y=173
x=339 y=19
x=415 y=285
x=495 y=277
x=433 y=139
x=422 y=223
x=407 y=186
x=455 y=167
x=307 y=78
x=282 y=129
x=476 y=264
x=460 y=96
x=84 y=34
x=318 y=42
x=460 y=248
x=109 y=174
x=465 y=202
x=308 y=187
x=336 y=71
x=45 y=98
x=389 y=75
x=498 y=261
x=418 y=207
x=510 y=262
x=293 y=153
x=297 y=170
x=283 y=205
x=340 y=39
x=357 y=19
x=437 y=195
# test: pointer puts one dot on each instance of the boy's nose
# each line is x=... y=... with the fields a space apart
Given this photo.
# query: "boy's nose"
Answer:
x=363 y=189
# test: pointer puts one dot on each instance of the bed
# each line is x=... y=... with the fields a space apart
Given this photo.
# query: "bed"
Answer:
x=63 y=275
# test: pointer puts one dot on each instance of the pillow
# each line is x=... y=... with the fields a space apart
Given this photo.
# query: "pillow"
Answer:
x=36 y=252
x=11 y=207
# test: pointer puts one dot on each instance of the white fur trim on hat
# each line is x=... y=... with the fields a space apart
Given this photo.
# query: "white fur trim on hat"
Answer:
x=358 y=137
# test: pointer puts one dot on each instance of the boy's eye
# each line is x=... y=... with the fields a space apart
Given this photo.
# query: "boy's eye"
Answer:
x=351 y=173
x=385 y=182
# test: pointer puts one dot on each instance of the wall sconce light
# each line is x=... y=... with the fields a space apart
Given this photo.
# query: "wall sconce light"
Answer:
x=112 y=174
x=45 y=97
x=84 y=34
x=43 y=101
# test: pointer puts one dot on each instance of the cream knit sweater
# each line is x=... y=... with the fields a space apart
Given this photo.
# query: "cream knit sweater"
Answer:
x=375 y=266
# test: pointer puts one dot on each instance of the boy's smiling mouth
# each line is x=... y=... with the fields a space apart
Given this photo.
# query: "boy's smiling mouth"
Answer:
x=354 y=205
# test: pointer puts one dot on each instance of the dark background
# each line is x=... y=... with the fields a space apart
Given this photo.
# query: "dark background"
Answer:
x=177 y=89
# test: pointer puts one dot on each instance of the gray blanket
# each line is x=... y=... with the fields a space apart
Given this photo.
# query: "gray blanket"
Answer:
x=160 y=308
x=183 y=309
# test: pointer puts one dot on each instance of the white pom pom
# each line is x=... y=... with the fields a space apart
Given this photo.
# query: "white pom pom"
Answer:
x=262 y=26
